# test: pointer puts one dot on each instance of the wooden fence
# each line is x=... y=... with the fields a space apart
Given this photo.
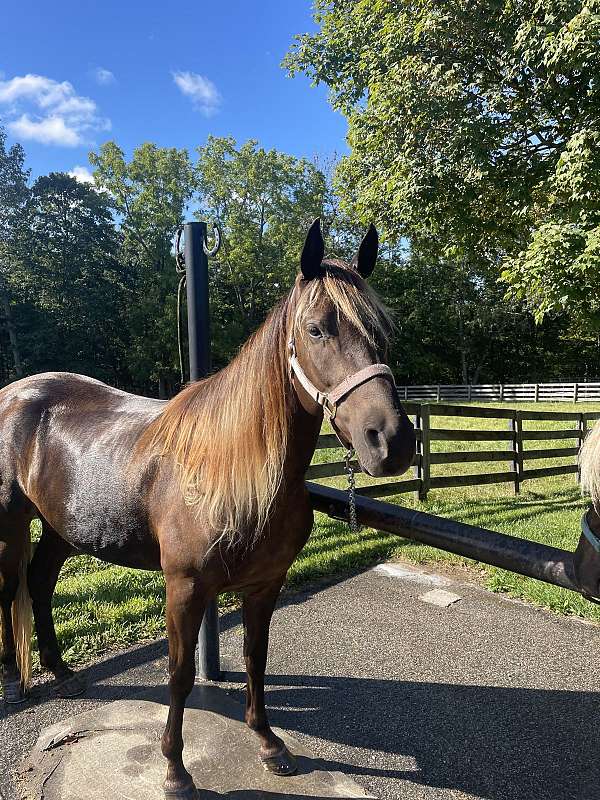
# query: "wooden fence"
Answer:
x=505 y=392
x=515 y=455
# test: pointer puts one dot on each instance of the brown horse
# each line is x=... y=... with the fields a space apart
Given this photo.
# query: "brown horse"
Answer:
x=209 y=487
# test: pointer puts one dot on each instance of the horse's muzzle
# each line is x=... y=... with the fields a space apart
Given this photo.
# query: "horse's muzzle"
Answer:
x=386 y=445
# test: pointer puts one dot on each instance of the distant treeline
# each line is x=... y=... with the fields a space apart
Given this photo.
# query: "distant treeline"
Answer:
x=88 y=281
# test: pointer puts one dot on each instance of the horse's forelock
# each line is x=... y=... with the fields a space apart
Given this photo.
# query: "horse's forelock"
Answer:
x=351 y=296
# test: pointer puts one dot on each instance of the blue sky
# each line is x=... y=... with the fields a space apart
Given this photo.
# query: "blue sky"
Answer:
x=74 y=74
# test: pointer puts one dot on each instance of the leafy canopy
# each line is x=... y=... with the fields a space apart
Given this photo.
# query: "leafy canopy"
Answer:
x=474 y=127
x=264 y=200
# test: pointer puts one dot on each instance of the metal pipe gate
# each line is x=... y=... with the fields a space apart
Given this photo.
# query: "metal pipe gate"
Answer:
x=528 y=558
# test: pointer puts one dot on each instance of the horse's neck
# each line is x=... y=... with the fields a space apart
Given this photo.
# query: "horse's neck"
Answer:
x=302 y=440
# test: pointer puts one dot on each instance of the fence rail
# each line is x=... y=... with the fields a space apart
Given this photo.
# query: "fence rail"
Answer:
x=504 y=392
x=513 y=452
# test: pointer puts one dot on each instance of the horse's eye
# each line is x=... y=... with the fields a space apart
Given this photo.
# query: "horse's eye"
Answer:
x=314 y=331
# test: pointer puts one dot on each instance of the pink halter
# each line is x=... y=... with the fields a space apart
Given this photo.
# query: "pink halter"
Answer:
x=329 y=400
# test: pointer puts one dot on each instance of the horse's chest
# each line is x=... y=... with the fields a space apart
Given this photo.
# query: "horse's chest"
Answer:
x=275 y=550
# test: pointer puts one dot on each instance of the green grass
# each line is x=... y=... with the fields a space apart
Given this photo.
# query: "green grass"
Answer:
x=99 y=607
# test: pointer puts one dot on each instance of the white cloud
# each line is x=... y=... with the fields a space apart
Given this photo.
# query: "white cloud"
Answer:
x=205 y=95
x=104 y=77
x=49 y=130
x=44 y=110
x=81 y=174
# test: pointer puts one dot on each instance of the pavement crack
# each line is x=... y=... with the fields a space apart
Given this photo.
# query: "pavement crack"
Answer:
x=75 y=736
x=47 y=778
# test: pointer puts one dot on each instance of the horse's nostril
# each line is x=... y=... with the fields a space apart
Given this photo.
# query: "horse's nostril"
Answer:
x=372 y=437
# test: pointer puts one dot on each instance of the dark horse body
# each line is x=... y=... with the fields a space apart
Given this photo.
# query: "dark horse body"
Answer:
x=77 y=431
x=103 y=470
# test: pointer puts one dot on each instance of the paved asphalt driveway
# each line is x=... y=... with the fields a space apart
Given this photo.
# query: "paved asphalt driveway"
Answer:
x=487 y=698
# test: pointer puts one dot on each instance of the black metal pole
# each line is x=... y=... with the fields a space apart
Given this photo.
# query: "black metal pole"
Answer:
x=535 y=560
x=198 y=315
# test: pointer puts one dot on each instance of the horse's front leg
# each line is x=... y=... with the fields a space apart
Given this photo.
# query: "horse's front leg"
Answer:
x=258 y=609
x=185 y=608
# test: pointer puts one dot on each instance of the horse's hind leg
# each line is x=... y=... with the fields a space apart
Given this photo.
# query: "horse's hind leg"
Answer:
x=50 y=554
x=258 y=609
x=15 y=609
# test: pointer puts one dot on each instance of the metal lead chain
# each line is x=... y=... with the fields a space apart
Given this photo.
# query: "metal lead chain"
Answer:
x=352 y=520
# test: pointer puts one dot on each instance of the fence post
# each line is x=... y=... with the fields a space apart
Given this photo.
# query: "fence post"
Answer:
x=425 y=450
x=575 y=391
x=582 y=431
x=198 y=315
x=406 y=392
x=512 y=426
x=469 y=392
x=519 y=446
x=417 y=469
x=537 y=393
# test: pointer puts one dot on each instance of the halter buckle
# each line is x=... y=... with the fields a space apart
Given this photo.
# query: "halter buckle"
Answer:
x=329 y=407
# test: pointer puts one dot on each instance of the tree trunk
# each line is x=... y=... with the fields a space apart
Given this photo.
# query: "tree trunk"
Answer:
x=162 y=388
x=463 y=349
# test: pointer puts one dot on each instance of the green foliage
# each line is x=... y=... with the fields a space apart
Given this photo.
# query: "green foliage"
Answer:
x=560 y=267
x=89 y=281
x=14 y=193
x=149 y=195
x=265 y=201
x=13 y=187
x=66 y=280
x=474 y=130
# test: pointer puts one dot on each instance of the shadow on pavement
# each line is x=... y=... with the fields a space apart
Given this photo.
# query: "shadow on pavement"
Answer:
x=490 y=742
x=487 y=741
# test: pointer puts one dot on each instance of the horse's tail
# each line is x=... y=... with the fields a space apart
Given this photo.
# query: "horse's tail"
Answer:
x=22 y=618
x=589 y=464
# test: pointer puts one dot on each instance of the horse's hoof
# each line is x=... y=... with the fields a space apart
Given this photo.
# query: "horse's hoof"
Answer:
x=13 y=692
x=187 y=792
x=71 y=686
x=280 y=763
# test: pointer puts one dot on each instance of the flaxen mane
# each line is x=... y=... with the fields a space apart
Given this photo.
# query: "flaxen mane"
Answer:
x=228 y=433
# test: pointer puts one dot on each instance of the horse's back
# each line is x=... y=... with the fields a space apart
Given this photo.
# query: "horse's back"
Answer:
x=71 y=390
x=66 y=444
x=35 y=409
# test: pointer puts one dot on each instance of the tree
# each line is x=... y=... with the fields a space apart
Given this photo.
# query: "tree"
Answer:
x=264 y=201
x=149 y=196
x=13 y=197
x=474 y=129
x=70 y=287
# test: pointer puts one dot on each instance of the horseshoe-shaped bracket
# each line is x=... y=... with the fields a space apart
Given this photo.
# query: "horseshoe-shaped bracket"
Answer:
x=216 y=235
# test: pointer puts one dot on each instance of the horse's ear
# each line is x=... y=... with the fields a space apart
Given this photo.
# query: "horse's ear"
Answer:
x=364 y=261
x=313 y=252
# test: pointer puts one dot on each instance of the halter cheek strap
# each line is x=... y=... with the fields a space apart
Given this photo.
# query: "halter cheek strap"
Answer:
x=589 y=533
x=329 y=400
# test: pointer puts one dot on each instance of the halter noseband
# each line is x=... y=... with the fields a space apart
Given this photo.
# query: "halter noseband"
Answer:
x=329 y=400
